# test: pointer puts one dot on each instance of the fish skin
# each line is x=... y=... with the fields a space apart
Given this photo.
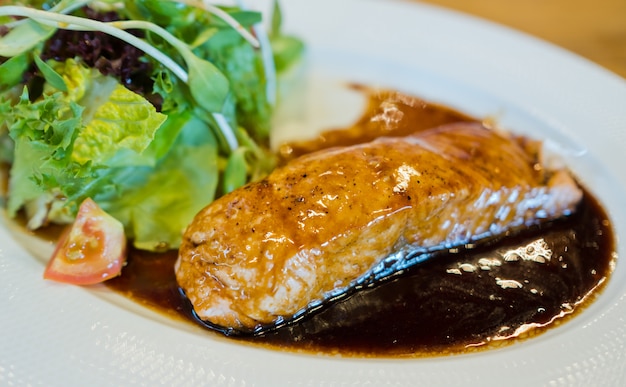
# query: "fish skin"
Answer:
x=314 y=227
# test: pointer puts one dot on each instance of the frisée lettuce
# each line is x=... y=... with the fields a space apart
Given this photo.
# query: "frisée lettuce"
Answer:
x=150 y=108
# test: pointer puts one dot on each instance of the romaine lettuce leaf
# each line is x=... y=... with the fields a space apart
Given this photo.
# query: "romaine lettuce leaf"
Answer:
x=115 y=118
x=125 y=121
x=150 y=171
x=86 y=135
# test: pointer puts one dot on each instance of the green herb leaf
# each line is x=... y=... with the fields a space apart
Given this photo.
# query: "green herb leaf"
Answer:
x=24 y=37
x=12 y=71
x=52 y=77
x=277 y=19
x=208 y=86
x=77 y=139
x=236 y=171
x=286 y=50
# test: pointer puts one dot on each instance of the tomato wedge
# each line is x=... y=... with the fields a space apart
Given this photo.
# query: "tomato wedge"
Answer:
x=91 y=251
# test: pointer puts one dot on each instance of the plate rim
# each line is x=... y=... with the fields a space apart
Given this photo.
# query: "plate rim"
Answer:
x=130 y=344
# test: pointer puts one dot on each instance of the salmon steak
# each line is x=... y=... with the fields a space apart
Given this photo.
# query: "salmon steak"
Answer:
x=342 y=218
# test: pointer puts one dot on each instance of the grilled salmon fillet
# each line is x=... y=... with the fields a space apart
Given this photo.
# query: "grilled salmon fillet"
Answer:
x=324 y=222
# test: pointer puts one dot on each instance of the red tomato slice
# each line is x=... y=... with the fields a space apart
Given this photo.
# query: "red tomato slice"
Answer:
x=92 y=250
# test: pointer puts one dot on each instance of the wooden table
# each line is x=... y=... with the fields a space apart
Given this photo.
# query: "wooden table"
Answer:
x=594 y=29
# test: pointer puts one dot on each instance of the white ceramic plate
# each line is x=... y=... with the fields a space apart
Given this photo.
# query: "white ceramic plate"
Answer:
x=52 y=334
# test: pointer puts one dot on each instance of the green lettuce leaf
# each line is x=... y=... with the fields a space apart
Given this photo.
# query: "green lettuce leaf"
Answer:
x=85 y=135
x=43 y=132
x=150 y=171
x=243 y=66
x=157 y=203
x=78 y=144
x=115 y=118
x=125 y=121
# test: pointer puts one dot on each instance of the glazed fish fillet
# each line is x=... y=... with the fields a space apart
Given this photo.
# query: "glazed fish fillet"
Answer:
x=335 y=219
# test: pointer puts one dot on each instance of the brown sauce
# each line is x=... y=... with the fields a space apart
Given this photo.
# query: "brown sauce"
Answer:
x=471 y=298
x=447 y=305
x=387 y=113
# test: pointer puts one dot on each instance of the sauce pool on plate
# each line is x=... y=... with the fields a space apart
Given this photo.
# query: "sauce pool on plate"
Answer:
x=462 y=300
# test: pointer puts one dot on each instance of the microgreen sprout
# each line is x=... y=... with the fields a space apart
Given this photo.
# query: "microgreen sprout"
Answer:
x=202 y=72
x=266 y=54
x=151 y=125
x=59 y=20
x=204 y=5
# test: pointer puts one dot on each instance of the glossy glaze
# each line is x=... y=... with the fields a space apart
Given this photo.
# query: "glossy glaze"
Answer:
x=325 y=223
x=461 y=300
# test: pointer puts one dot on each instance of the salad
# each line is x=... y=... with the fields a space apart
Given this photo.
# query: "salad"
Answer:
x=148 y=109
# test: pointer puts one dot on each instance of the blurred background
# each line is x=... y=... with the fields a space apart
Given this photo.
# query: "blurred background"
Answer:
x=594 y=29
